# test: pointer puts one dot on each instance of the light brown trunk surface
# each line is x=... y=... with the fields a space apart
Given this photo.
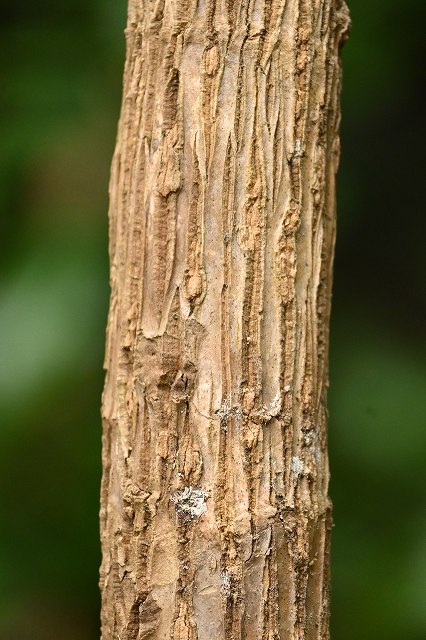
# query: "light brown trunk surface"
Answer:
x=215 y=517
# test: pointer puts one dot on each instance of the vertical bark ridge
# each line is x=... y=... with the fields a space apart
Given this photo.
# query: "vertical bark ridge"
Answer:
x=215 y=520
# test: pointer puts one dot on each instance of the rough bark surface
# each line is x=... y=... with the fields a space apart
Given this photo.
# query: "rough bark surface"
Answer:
x=215 y=518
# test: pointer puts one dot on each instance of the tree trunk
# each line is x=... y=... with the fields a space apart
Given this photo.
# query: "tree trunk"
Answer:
x=215 y=518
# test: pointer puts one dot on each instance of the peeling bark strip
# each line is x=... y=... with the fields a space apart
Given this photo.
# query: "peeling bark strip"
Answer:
x=215 y=518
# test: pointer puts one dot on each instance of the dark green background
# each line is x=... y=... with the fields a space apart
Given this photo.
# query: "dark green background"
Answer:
x=60 y=85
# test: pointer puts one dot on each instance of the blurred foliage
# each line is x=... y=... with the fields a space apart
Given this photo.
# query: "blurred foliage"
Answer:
x=61 y=69
x=378 y=352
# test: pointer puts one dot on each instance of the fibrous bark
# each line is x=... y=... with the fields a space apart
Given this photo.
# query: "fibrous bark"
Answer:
x=215 y=518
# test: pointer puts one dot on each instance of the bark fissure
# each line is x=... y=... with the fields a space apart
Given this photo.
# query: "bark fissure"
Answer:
x=215 y=519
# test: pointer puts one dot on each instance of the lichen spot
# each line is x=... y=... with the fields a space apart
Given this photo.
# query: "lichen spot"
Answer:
x=190 y=502
x=297 y=466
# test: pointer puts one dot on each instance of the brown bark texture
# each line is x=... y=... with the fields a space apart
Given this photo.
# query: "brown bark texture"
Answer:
x=215 y=519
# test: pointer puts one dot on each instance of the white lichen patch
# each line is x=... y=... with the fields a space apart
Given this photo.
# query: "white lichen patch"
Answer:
x=297 y=466
x=190 y=502
x=266 y=412
x=275 y=406
x=308 y=438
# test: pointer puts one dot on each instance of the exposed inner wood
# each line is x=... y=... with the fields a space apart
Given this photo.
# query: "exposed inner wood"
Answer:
x=215 y=519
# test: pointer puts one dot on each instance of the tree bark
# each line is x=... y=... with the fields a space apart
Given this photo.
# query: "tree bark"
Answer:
x=215 y=519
